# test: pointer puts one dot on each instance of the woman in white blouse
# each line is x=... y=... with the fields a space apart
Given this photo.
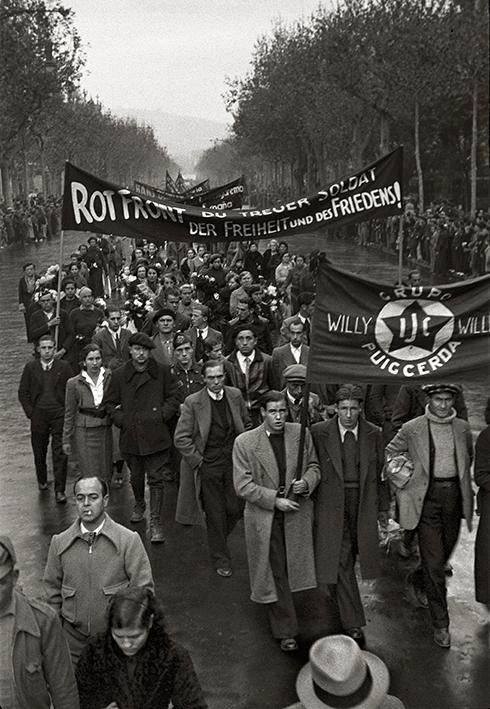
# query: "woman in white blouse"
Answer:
x=87 y=434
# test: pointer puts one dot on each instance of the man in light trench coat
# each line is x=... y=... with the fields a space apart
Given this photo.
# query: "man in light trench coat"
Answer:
x=278 y=513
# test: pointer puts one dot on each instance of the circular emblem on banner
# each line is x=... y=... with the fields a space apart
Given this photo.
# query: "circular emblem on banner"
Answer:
x=413 y=329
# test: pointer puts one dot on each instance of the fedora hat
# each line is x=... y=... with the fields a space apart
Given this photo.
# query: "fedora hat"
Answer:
x=340 y=674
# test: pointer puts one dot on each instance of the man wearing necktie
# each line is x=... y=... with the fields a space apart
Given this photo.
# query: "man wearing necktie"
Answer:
x=295 y=377
x=349 y=502
x=42 y=396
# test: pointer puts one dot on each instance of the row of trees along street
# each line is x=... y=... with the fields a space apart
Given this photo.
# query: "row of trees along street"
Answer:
x=332 y=93
x=45 y=119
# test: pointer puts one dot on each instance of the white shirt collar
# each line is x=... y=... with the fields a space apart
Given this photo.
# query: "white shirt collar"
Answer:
x=97 y=388
x=46 y=365
x=203 y=331
x=216 y=397
x=343 y=430
x=84 y=529
x=296 y=352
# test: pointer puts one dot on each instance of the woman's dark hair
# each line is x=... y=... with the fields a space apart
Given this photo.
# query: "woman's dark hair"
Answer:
x=91 y=347
x=134 y=607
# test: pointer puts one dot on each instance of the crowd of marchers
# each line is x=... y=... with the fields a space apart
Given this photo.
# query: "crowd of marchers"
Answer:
x=189 y=369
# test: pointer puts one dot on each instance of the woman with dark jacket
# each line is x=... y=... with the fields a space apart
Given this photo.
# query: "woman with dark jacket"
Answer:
x=482 y=543
x=87 y=430
x=135 y=664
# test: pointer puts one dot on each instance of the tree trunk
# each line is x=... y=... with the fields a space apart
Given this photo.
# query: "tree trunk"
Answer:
x=6 y=184
x=474 y=148
x=418 y=162
x=384 y=134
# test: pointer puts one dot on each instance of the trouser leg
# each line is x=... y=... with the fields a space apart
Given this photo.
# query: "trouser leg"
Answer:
x=282 y=613
x=60 y=460
x=213 y=501
x=234 y=505
x=136 y=467
x=346 y=590
x=39 y=442
x=442 y=508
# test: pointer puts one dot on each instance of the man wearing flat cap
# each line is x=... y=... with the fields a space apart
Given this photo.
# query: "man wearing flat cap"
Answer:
x=35 y=665
x=295 y=378
x=437 y=495
x=141 y=399
x=350 y=500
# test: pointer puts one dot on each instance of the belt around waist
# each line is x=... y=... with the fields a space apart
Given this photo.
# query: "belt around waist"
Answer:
x=445 y=481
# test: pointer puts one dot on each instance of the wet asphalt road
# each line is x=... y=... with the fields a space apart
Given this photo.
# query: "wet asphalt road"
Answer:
x=239 y=665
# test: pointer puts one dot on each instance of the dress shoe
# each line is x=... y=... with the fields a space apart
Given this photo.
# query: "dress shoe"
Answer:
x=442 y=637
x=43 y=486
x=60 y=498
x=357 y=635
x=224 y=571
x=415 y=596
x=288 y=645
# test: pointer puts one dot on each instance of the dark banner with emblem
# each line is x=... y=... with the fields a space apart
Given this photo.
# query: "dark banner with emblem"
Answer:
x=92 y=204
x=364 y=331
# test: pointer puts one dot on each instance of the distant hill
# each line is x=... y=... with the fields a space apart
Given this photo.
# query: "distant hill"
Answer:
x=184 y=136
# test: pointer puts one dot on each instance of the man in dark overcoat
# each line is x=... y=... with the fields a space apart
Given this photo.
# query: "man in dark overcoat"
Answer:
x=208 y=425
x=142 y=397
x=42 y=396
x=350 y=499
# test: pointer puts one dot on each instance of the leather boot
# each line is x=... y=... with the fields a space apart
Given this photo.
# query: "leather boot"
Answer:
x=156 y=529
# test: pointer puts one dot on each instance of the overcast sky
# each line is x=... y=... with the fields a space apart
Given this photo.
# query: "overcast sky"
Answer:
x=174 y=55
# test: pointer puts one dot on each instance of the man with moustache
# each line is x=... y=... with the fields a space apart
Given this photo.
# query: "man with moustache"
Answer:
x=89 y=562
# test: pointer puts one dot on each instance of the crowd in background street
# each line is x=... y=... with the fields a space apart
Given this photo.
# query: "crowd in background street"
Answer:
x=30 y=220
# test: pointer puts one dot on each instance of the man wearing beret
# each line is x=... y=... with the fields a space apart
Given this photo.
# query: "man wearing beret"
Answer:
x=295 y=377
x=142 y=397
x=351 y=499
x=163 y=339
x=35 y=665
x=437 y=495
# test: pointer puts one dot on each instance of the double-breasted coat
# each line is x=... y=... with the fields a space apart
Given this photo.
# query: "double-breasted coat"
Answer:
x=330 y=499
x=141 y=404
x=413 y=438
x=190 y=438
x=256 y=480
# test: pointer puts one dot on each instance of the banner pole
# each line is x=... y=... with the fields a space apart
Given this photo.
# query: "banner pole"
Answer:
x=302 y=433
x=400 y=250
x=58 y=294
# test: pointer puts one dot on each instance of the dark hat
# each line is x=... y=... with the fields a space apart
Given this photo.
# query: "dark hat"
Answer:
x=140 y=338
x=181 y=339
x=7 y=556
x=295 y=373
x=430 y=389
x=160 y=314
